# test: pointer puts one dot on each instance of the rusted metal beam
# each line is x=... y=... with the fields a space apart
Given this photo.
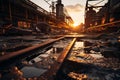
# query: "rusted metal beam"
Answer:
x=111 y=24
x=66 y=51
x=23 y=51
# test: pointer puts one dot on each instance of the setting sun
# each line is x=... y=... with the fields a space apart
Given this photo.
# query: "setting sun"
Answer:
x=75 y=24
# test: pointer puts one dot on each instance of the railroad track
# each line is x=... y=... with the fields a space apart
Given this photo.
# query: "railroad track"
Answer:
x=14 y=58
x=72 y=63
x=10 y=56
x=75 y=64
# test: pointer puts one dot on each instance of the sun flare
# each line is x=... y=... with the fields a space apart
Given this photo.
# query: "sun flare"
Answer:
x=75 y=24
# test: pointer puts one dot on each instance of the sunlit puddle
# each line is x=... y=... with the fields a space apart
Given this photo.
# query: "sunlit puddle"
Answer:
x=78 y=53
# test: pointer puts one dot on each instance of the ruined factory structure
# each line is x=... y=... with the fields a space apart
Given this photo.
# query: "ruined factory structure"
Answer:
x=96 y=15
x=24 y=15
x=42 y=40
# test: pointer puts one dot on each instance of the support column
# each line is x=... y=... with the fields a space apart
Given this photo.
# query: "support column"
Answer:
x=108 y=12
x=44 y=19
x=36 y=18
x=10 y=12
x=26 y=14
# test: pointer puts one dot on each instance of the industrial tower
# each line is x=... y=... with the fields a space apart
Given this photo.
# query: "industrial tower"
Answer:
x=59 y=10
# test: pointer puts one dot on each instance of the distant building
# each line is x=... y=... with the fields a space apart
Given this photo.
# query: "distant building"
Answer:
x=90 y=17
x=23 y=13
x=115 y=10
x=59 y=10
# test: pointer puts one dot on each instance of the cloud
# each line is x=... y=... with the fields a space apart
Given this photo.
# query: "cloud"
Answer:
x=74 y=8
x=76 y=12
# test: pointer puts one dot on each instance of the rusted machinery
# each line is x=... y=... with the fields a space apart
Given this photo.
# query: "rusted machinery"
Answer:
x=101 y=16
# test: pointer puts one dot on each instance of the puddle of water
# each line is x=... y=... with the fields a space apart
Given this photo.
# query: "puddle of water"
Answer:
x=79 y=44
x=37 y=59
x=79 y=53
x=32 y=72
x=96 y=56
x=77 y=49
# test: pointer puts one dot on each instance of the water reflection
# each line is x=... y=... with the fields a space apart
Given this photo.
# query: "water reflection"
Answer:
x=32 y=72
x=79 y=44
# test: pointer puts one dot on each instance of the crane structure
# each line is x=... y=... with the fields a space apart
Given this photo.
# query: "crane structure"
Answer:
x=91 y=12
x=51 y=5
x=68 y=19
x=57 y=9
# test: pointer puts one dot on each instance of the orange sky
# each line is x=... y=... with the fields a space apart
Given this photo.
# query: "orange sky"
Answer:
x=76 y=12
x=75 y=8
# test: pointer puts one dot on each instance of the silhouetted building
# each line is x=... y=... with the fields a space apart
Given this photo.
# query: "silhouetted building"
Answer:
x=59 y=10
x=23 y=13
x=102 y=15
x=90 y=17
x=115 y=9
